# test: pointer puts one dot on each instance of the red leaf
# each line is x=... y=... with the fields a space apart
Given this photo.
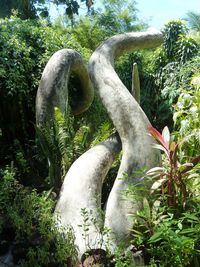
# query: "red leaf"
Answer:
x=158 y=137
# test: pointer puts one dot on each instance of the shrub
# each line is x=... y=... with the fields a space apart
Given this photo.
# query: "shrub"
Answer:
x=27 y=214
x=168 y=224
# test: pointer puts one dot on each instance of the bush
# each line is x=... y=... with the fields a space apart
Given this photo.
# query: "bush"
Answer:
x=168 y=225
x=28 y=226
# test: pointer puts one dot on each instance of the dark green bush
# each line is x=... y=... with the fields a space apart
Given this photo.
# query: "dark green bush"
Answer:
x=27 y=214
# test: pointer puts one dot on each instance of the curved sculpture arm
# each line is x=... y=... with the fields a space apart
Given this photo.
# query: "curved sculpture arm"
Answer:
x=130 y=122
x=82 y=190
x=112 y=91
x=53 y=88
x=123 y=43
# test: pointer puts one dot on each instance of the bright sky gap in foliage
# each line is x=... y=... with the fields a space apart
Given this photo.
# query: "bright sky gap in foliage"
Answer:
x=159 y=12
x=155 y=12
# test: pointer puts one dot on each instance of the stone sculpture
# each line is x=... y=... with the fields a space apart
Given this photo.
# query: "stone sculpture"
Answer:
x=83 y=183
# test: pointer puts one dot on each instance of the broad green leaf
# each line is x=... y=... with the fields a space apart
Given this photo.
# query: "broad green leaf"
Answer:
x=155 y=238
x=187 y=231
x=146 y=207
x=191 y=217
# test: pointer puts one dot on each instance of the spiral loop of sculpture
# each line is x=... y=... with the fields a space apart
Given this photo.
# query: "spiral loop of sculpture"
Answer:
x=83 y=183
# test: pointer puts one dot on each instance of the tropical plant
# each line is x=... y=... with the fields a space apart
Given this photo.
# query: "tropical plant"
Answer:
x=172 y=68
x=186 y=49
x=62 y=142
x=165 y=237
x=172 y=31
x=187 y=121
x=88 y=32
x=173 y=176
x=57 y=146
x=174 y=241
x=119 y=17
x=168 y=222
x=193 y=19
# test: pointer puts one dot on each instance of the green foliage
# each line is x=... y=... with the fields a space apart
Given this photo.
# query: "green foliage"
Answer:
x=173 y=175
x=119 y=17
x=25 y=48
x=124 y=260
x=88 y=32
x=167 y=75
x=193 y=19
x=29 y=214
x=7 y=189
x=172 y=80
x=170 y=70
x=25 y=9
x=186 y=49
x=30 y=9
x=120 y=258
x=187 y=121
x=168 y=223
x=94 y=132
x=168 y=238
x=62 y=142
x=172 y=31
x=103 y=133
x=72 y=6
x=56 y=142
x=124 y=67
x=97 y=220
x=175 y=241
x=178 y=46
x=116 y=17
